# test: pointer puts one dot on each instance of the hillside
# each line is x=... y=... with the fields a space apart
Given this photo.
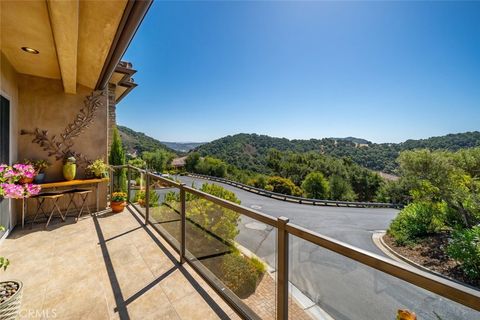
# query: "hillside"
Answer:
x=182 y=146
x=138 y=142
x=249 y=151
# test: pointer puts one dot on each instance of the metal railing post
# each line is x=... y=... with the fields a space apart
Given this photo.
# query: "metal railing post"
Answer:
x=183 y=219
x=147 y=196
x=111 y=182
x=128 y=184
x=282 y=269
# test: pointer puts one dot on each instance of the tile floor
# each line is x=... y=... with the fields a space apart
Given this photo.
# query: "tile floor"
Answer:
x=105 y=267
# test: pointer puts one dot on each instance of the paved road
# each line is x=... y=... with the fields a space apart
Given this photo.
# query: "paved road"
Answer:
x=342 y=287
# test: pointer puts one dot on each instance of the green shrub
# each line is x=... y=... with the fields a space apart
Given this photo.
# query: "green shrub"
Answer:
x=211 y=167
x=340 y=189
x=283 y=185
x=138 y=181
x=316 y=186
x=258 y=182
x=153 y=199
x=241 y=274
x=117 y=157
x=465 y=248
x=259 y=266
x=395 y=192
x=158 y=159
x=417 y=220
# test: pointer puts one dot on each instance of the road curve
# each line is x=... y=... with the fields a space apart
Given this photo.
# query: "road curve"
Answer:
x=342 y=287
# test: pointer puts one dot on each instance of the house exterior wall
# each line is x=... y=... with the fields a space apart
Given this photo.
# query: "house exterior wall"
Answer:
x=112 y=121
x=43 y=104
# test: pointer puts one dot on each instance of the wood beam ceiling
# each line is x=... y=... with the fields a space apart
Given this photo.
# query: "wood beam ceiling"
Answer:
x=64 y=19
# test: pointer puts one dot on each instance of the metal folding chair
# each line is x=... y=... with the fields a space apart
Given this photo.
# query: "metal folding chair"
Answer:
x=54 y=197
x=83 y=195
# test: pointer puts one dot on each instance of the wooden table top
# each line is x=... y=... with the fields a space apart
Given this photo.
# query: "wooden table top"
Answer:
x=76 y=182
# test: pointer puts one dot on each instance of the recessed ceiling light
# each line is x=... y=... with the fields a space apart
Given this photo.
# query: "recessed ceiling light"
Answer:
x=30 y=50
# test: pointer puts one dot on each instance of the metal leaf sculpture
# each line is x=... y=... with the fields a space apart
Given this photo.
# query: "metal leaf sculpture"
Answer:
x=83 y=119
x=61 y=147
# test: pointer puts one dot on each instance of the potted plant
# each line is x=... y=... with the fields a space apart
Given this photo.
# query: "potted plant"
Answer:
x=118 y=201
x=24 y=171
x=69 y=168
x=11 y=185
x=99 y=168
x=140 y=198
x=40 y=166
x=10 y=293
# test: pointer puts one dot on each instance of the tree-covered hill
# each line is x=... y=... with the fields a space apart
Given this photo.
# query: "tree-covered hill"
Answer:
x=139 y=142
x=249 y=151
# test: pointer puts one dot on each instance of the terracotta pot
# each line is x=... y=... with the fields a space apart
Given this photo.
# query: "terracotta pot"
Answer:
x=118 y=206
x=25 y=180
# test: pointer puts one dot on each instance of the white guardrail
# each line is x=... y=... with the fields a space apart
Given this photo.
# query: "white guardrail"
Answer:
x=301 y=200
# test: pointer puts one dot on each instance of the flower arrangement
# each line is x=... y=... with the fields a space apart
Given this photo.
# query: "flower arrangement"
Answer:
x=19 y=191
x=11 y=185
x=7 y=174
x=99 y=168
x=117 y=203
x=40 y=165
x=24 y=170
x=119 y=196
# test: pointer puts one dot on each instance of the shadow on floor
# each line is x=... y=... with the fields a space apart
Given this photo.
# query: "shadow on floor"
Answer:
x=121 y=302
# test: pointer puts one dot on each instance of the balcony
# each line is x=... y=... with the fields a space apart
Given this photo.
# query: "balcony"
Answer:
x=164 y=258
x=106 y=266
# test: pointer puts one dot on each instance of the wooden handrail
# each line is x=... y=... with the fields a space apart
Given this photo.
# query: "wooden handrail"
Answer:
x=454 y=291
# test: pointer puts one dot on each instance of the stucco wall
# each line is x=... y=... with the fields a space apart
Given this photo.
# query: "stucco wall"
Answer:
x=44 y=105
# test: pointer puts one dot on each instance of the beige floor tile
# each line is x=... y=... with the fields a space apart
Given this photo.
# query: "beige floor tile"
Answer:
x=67 y=271
x=176 y=286
x=193 y=306
x=77 y=299
x=152 y=304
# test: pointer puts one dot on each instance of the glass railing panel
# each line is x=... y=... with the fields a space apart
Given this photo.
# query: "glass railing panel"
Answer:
x=235 y=252
x=137 y=190
x=329 y=285
x=137 y=182
x=164 y=210
x=118 y=179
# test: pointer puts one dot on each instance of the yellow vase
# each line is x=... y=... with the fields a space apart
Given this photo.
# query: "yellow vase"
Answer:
x=69 y=171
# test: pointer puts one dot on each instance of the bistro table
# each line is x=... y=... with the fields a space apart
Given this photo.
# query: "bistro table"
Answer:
x=64 y=184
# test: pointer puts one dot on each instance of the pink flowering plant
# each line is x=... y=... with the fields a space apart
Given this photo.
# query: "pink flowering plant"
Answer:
x=24 y=170
x=7 y=173
x=9 y=178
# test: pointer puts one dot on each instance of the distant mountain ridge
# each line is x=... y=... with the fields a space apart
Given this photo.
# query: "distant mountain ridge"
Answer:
x=249 y=151
x=182 y=146
x=354 y=140
x=138 y=142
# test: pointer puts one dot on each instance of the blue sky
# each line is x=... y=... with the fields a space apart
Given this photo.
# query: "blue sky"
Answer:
x=384 y=71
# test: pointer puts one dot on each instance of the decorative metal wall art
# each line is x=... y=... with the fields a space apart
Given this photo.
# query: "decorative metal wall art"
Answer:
x=61 y=146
